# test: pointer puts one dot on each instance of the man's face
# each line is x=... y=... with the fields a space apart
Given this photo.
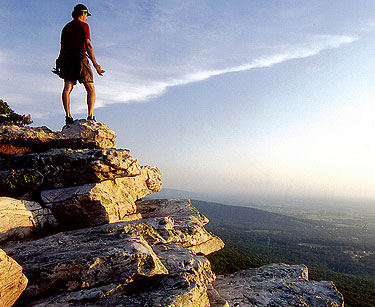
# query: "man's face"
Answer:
x=84 y=15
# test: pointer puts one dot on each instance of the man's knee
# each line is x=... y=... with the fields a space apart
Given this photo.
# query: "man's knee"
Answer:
x=68 y=87
x=89 y=86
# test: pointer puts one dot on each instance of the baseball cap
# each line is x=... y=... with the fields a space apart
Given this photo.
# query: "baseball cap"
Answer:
x=81 y=7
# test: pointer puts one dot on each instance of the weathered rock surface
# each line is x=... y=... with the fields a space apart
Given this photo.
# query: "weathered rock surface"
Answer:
x=116 y=258
x=216 y=300
x=12 y=280
x=67 y=262
x=89 y=134
x=98 y=203
x=151 y=262
x=81 y=134
x=187 y=221
x=58 y=168
x=185 y=285
x=20 y=219
x=277 y=285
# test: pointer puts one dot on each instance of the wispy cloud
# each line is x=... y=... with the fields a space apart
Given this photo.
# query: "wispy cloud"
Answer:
x=118 y=90
x=150 y=46
x=329 y=42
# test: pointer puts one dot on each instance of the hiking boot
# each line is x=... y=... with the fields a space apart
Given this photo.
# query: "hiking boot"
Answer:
x=91 y=118
x=68 y=120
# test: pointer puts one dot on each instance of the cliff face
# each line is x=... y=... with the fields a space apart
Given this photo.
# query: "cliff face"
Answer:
x=74 y=227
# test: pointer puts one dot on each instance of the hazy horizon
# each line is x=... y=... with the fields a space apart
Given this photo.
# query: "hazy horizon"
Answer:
x=260 y=201
x=270 y=98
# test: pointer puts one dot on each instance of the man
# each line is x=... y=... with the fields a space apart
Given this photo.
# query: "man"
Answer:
x=73 y=65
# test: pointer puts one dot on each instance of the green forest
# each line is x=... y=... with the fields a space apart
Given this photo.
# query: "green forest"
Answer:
x=255 y=237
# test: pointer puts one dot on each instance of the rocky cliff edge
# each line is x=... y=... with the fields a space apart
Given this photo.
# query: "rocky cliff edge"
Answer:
x=75 y=230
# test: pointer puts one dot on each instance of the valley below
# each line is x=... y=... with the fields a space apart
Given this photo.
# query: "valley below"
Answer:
x=336 y=242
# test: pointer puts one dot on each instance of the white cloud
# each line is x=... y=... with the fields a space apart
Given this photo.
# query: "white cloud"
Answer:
x=125 y=88
x=147 y=47
x=138 y=79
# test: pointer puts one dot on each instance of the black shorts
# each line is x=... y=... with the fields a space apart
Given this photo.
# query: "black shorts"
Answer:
x=75 y=70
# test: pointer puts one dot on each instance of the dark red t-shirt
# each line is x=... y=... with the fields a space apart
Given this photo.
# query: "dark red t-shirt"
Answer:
x=74 y=35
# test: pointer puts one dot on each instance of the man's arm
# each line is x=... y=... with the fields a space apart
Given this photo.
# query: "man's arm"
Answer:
x=90 y=52
x=59 y=60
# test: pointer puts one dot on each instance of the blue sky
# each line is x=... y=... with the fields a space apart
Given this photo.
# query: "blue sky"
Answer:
x=246 y=98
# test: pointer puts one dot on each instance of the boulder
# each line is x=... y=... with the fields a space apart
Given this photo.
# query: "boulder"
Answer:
x=67 y=261
x=59 y=168
x=216 y=300
x=21 y=219
x=84 y=259
x=185 y=285
x=153 y=178
x=277 y=285
x=88 y=134
x=15 y=140
x=12 y=280
x=98 y=203
x=81 y=134
x=188 y=224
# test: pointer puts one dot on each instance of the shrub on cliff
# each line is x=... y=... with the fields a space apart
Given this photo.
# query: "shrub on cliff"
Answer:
x=9 y=117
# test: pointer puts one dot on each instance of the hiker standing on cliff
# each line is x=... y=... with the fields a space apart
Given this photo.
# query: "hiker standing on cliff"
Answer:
x=72 y=63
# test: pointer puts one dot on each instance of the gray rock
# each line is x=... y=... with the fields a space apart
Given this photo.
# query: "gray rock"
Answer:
x=152 y=261
x=277 y=285
x=88 y=134
x=66 y=261
x=21 y=219
x=12 y=280
x=59 y=168
x=80 y=134
x=185 y=285
x=153 y=180
x=84 y=259
x=108 y=201
x=216 y=300
x=186 y=220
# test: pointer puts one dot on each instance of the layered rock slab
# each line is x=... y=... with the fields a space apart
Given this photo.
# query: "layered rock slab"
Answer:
x=80 y=134
x=20 y=219
x=185 y=285
x=187 y=220
x=108 y=201
x=83 y=259
x=66 y=261
x=277 y=285
x=12 y=280
x=59 y=168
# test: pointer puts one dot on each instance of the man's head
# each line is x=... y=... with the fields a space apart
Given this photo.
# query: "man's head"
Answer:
x=80 y=10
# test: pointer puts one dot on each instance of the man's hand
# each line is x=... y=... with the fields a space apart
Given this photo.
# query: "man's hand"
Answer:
x=98 y=69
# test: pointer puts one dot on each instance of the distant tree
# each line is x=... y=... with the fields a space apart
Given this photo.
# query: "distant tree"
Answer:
x=9 y=117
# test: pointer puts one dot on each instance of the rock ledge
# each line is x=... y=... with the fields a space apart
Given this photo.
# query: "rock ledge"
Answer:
x=80 y=233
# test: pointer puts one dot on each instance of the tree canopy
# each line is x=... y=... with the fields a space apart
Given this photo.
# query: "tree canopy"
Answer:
x=9 y=117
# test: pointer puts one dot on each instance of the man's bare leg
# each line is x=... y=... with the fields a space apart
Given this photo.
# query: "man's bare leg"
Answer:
x=68 y=86
x=89 y=86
